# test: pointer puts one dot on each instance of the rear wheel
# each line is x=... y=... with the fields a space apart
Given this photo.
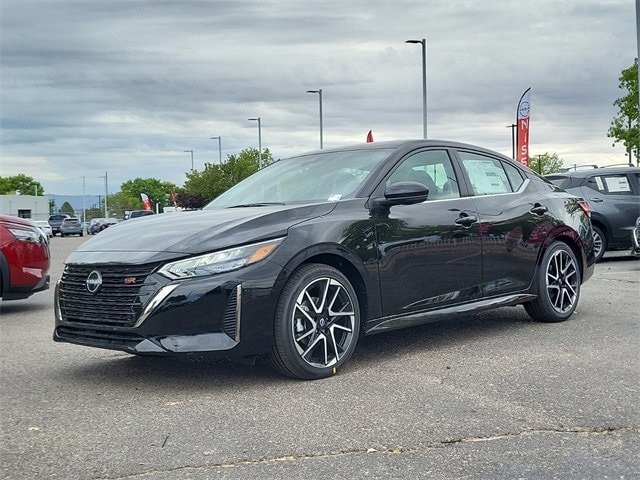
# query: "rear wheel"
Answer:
x=317 y=323
x=599 y=243
x=558 y=284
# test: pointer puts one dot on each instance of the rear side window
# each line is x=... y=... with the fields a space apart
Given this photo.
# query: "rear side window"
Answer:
x=514 y=175
x=610 y=184
x=486 y=174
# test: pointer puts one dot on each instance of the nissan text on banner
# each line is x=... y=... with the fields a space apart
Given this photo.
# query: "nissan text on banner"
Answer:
x=524 y=108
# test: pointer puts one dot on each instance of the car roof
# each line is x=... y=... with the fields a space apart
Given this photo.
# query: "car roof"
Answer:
x=395 y=144
x=589 y=172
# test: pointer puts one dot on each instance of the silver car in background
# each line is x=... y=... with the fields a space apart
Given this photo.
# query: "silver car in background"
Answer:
x=71 y=226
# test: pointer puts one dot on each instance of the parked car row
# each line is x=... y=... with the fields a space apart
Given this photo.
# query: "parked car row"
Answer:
x=613 y=194
x=45 y=227
x=97 y=225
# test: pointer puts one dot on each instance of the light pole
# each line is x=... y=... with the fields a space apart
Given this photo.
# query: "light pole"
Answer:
x=319 y=92
x=259 y=140
x=219 y=146
x=513 y=128
x=106 y=193
x=191 y=152
x=423 y=42
x=84 y=205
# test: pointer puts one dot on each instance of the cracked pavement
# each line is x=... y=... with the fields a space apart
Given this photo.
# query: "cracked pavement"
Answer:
x=484 y=396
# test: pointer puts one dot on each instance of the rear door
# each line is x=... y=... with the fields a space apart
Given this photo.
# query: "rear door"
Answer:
x=513 y=220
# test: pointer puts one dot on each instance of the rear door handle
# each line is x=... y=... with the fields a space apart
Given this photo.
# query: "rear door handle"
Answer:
x=538 y=209
x=596 y=200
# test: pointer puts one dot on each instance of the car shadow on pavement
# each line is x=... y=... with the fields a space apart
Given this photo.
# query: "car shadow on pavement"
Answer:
x=198 y=371
x=441 y=335
x=22 y=306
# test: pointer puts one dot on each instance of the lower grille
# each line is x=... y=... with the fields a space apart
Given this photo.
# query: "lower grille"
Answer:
x=99 y=337
x=117 y=302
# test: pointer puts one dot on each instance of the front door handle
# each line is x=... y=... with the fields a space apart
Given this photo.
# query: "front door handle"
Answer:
x=466 y=220
x=596 y=200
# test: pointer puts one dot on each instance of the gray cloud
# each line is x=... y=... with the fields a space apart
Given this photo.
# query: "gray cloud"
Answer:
x=127 y=86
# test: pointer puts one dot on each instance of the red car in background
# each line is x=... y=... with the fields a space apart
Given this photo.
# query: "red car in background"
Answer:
x=24 y=259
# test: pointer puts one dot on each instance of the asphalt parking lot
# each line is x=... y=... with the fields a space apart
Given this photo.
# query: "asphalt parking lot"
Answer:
x=483 y=396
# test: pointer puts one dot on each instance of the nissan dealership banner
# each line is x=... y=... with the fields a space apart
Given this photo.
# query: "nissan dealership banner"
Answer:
x=524 y=108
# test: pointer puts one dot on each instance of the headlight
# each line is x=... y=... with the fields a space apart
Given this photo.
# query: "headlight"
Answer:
x=219 y=262
x=26 y=235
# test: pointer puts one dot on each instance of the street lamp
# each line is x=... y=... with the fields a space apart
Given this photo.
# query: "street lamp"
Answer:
x=259 y=140
x=319 y=92
x=219 y=146
x=423 y=42
x=191 y=152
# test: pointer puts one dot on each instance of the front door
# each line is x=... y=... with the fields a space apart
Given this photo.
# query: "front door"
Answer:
x=430 y=253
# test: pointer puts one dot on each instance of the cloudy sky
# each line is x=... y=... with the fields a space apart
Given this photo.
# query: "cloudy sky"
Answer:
x=126 y=86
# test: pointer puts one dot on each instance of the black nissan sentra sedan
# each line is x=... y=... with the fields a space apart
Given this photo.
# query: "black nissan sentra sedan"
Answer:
x=300 y=259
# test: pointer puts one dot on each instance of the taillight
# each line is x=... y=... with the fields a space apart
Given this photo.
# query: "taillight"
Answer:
x=586 y=207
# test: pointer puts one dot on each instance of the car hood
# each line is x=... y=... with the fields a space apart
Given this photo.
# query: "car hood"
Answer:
x=172 y=235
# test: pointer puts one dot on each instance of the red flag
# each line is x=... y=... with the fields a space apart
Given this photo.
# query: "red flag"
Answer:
x=524 y=108
x=146 y=201
x=369 y=137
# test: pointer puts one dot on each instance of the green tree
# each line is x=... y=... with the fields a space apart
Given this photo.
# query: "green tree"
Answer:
x=92 y=213
x=545 y=163
x=130 y=193
x=67 y=208
x=20 y=183
x=217 y=178
x=624 y=126
x=119 y=202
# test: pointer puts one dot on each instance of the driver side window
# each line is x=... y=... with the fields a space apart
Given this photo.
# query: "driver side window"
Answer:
x=433 y=169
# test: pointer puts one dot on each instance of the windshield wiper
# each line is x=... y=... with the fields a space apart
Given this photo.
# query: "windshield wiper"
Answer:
x=262 y=204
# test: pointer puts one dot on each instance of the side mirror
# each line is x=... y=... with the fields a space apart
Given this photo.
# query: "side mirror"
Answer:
x=403 y=193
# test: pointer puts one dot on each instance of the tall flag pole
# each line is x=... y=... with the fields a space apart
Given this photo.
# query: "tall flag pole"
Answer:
x=524 y=108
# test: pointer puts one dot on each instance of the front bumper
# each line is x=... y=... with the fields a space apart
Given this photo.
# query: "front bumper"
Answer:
x=145 y=313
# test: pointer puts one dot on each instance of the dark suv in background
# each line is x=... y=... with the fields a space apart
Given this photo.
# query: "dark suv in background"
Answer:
x=613 y=194
x=55 y=221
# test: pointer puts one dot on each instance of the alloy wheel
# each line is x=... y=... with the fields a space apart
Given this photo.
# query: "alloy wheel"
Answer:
x=323 y=322
x=562 y=281
x=597 y=244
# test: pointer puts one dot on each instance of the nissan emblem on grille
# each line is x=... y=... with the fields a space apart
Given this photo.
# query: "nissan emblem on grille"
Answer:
x=94 y=281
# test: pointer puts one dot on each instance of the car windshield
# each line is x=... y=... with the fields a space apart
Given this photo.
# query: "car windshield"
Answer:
x=320 y=177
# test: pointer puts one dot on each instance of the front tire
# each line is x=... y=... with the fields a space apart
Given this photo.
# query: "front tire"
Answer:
x=317 y=323
x=558 y=281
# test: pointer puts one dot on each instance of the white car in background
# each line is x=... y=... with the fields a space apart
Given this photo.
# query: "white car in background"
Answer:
x=45 y=227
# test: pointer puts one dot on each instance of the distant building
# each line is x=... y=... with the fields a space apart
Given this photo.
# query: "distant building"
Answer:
x=25 y=206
